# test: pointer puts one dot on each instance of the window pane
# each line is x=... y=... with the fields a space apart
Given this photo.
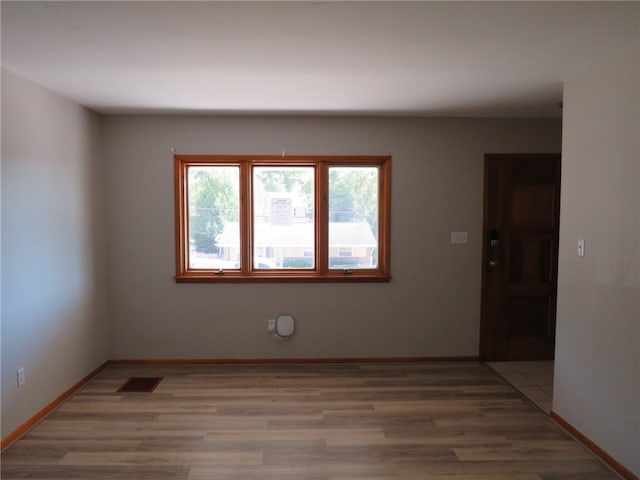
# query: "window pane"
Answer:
x=283 y=218
x=214 y=217
x=353 y=217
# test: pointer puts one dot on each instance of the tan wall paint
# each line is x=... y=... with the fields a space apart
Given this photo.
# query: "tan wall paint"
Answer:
x=430 y=308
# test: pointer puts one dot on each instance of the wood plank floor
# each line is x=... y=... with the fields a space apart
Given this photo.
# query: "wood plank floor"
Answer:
x=458 y=421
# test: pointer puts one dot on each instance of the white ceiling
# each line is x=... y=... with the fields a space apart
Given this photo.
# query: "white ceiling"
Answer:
x=379 y=58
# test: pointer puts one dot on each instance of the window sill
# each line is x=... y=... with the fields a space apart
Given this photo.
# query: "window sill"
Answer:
x=235 y=277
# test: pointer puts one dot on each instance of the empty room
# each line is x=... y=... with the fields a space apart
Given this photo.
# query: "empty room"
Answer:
x=320 y=240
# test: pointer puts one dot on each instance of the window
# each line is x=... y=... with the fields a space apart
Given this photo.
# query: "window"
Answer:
x=264 y=218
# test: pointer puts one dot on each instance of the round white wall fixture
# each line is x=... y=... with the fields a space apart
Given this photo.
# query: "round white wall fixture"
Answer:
x=285 y=325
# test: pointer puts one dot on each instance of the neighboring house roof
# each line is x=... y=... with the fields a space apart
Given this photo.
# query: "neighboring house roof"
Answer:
x=341 y=234
x=346 y=234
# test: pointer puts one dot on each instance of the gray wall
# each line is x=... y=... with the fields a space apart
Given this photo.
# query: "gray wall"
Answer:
x=431 y=307
x=53 y=263
x=54 y=315
x=597 y=370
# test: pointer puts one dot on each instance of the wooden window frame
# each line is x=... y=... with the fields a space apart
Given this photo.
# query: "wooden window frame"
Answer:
x=247 y=274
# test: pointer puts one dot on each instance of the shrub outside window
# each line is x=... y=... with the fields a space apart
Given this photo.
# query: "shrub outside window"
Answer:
x=282 y=219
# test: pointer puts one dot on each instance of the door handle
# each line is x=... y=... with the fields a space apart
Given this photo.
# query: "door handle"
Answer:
x=493 y=264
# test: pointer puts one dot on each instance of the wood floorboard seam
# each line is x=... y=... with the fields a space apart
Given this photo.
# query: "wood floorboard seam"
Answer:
x=350 y=421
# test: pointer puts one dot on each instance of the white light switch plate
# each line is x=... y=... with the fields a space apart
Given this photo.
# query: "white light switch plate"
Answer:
x=459 y=238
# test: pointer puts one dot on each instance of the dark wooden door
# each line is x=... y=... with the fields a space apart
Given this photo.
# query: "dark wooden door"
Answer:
x=520 y=257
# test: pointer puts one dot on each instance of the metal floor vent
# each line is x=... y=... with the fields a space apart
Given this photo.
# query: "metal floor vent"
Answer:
x=140 y=385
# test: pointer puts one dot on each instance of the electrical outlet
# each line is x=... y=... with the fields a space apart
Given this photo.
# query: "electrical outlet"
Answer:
x=22 y=378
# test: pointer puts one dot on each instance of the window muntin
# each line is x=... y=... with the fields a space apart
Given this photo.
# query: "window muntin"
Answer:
x=272 y=192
